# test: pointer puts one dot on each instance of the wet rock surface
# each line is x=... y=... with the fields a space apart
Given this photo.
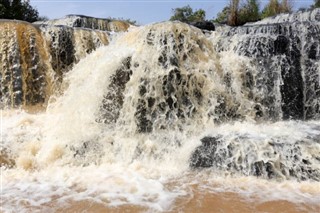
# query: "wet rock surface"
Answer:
x=93 y=23
x=204 y=25
x=285 y=50
x=33 y=59
x=279 y=159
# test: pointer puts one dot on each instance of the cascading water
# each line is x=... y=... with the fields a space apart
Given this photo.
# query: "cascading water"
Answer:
x=33 y=59
x=139 y=118
x=88 y=22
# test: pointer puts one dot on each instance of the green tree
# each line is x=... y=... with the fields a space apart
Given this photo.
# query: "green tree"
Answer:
x=274 y=7
x=17 y=9
x=249 y=12
x=286 y=6
x=234 y=10
x=316 y=4
x=222 y=16
x=199 y=15
x=240 y=13
x=186 y=14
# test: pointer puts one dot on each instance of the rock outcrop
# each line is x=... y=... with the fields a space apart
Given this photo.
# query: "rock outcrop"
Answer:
x=34 y=57
x=285 y=50
x=204 y=25
x=88 y=22
x=276 y=158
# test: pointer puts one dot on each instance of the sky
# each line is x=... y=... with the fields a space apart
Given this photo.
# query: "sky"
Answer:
x=143 y=11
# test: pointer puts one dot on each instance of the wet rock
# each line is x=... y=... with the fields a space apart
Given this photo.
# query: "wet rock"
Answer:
x=34 y=59
x=204 y=155
x=87 y=153
x=5 y=160
x=204 y=25
x=88 y=22
x=278 y=160
x=113 y=100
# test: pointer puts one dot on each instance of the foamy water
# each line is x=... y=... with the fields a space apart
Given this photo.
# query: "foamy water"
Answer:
x=130 y=119
x=156 y=184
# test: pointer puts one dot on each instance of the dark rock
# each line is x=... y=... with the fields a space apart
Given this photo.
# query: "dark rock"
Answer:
x=278 y=160
x=113 y=100
x=204 y=25
x=204 y=155
x=6 y=160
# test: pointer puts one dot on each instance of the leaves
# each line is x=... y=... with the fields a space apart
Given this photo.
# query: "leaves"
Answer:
x=17 y=9
x=186 y=14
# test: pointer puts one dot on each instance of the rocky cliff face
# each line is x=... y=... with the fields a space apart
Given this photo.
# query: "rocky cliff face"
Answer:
x=88 y=22
x=284 y=84
x=282 y=78
x=25 y=71
x=285 y=51
x=34 y=57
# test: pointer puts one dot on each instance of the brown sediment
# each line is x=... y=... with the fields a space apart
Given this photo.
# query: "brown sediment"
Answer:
x=104 y=38
x=206 y=202
x=6 y=160
x=92 y=207
x=34 y=109
x=118 y=26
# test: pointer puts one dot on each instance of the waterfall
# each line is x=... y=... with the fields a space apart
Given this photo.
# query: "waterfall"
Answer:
x=140 y=117
x=34 y=59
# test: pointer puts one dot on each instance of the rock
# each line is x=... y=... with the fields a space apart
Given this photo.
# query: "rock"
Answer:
x=33 y=58
x=277 y=159
x=204 y=155
x=285 y=50
x=204 y=25
x=82 y=21
x=6 y=160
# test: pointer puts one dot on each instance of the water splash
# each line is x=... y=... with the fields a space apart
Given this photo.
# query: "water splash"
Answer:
x=140 y=107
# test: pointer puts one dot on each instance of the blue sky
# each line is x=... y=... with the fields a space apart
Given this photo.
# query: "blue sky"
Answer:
x=143 y=11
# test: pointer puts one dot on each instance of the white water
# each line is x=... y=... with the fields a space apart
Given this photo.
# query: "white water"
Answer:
x=75 y=152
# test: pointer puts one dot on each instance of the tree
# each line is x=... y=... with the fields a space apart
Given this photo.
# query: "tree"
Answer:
x=249 y=12
x=286 y=6
x=186 y=14
x=17 y=9
x=316 y=4
x=199 y=15
x=240 y=13
x=233 y=15
x=223 y=16
x=274 y=7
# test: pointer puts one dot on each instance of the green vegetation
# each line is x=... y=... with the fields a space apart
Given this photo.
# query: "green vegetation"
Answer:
x=316 y=4
x=186 y=14
x=239 y=12
x=275 y=7
x=249 y=12
x=223 y=16
x=17 y=9
x=128 y=20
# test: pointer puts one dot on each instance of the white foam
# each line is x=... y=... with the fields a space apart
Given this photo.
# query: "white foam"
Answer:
x=64 y=155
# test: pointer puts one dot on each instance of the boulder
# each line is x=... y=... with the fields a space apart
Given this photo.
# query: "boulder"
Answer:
x=204 y=25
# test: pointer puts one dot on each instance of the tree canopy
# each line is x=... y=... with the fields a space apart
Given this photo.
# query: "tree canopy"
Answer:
x=249 y=12
x=17 y=9
x=239 y=12
x=274 y=7
x=316 y=4
x=186 y=14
